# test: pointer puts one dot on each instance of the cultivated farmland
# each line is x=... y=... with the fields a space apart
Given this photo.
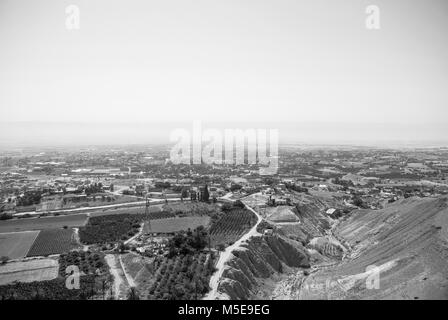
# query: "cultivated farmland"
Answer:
x=24 y=224
x=53 y=241
x=128 y=210
x=191 y=208
x=87 y=261
x=161 y=215
x=231 y=226
x=15 y=245
x=171 y=225
x=110 y=228
x=184 y=277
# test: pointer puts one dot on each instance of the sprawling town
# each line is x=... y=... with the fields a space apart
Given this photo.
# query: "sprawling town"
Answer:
x=56 y=181
x=134 y=225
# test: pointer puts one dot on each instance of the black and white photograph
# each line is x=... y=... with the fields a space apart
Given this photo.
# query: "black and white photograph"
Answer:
x=226 y=154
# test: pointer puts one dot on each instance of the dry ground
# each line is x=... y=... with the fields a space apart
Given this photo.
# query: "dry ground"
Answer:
x=25 y=224
x=407 y=243
x=176 y=224
x=29 y=271
x=15 y=245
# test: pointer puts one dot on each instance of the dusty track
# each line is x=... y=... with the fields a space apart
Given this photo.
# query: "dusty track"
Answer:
x=226 y=255
x=120 y=284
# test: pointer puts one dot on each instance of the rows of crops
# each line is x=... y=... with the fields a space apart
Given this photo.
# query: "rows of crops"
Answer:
x=53 y=241
x=183 y=277
x=231 y=226
x=110 y=228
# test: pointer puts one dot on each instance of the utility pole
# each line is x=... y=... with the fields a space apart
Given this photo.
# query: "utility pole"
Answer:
x=147 y=213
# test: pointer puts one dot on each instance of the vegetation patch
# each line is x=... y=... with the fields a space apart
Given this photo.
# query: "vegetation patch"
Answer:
x=161 y=215
x=50 y=290
x=176 y=224
x=53 y=241
x=182 y=277
x=231 y=225
x=191 y=208
x=88 y=262
x=185 y=272
x=111 y=228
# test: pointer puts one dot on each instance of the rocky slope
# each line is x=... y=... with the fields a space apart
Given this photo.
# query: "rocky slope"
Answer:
x=400 y=252
x=260 y=259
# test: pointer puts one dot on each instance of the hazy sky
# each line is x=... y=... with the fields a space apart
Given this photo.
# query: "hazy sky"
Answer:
x=227 y=60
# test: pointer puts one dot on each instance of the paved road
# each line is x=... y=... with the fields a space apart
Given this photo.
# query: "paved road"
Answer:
x=225 y=256
x=109 y=206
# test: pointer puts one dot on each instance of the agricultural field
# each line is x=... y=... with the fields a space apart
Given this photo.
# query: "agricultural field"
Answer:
x=53 y=241
x=191 y=208
x=176 y=224
x=42 y=223
x=135 y=266
x=87 y=261
x=110 y=228
x=161 y=215
x=15 y=245
x=183 y=273
x=231 y=226
x=28 y=271
x=54 y=289
x=138 y=268
x=183 y=277
x=153 y=209
x=160 y=211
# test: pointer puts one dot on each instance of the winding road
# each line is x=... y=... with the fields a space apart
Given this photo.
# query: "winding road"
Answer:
x=224 y=257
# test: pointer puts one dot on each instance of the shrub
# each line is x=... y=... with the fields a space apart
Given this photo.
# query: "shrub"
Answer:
x=5 y=216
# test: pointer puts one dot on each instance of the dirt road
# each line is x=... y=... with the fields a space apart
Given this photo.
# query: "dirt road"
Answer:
x=129 y=279
x=225 y=256
x=119 y=282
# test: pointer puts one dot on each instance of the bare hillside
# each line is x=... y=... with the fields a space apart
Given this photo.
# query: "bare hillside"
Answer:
x=405 y=244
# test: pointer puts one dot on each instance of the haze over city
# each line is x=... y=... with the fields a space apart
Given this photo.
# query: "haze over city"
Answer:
x=312 y=71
